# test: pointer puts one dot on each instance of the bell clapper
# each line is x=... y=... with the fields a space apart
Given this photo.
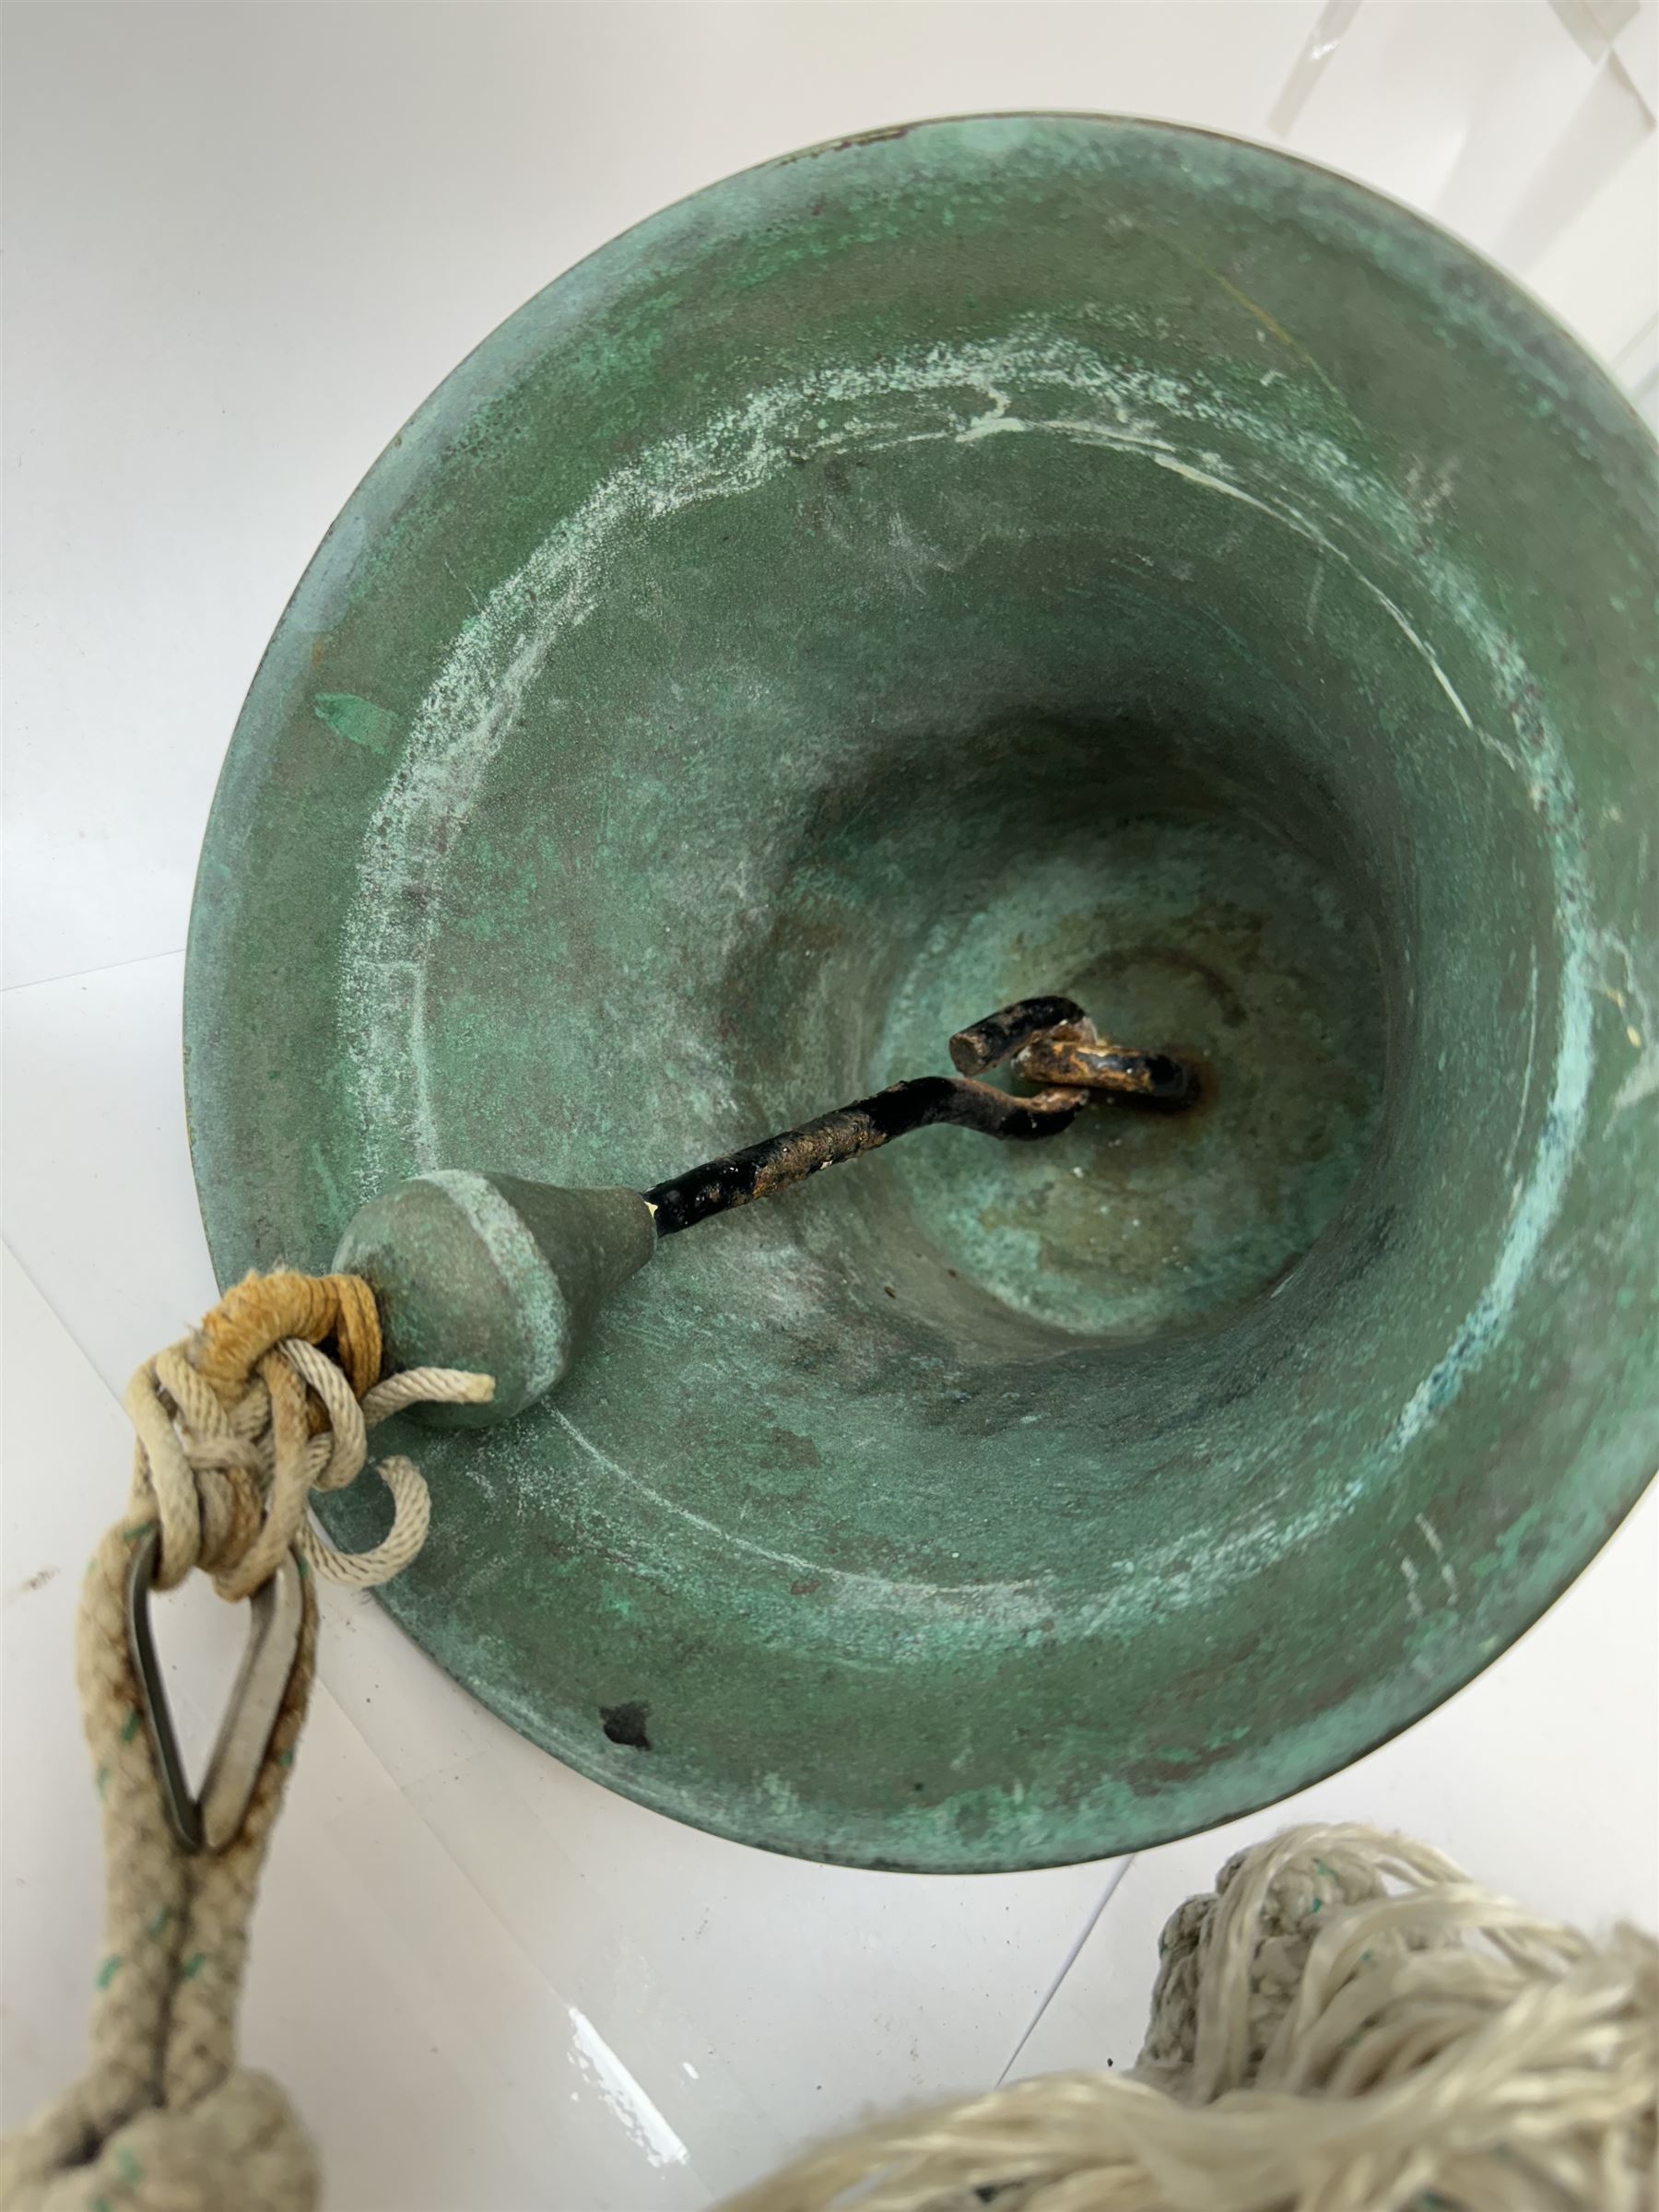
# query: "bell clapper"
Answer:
x=501 y=1274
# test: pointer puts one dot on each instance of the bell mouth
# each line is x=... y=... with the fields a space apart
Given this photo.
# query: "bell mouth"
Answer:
x=1016 y=555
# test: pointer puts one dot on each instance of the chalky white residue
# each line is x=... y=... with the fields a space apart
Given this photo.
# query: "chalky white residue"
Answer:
x=1010 y=1607
x=469 y=712
x=963 y=395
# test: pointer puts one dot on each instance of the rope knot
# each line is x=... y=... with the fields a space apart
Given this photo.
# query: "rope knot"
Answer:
x=263 y=1311
x=241 y=2144
x=270 y=1399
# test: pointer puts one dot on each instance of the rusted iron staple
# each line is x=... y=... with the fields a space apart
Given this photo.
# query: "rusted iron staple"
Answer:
x=1049 y=1041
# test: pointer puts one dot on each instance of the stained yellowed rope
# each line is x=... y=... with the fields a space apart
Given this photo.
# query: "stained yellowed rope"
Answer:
x=236 y=1426
x=1345 y=2025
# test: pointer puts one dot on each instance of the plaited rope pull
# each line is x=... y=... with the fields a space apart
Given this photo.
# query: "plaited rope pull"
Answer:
x=272 y=1398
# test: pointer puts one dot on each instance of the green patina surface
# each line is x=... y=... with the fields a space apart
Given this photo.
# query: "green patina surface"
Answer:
x=1020 y=554
x=357 y=720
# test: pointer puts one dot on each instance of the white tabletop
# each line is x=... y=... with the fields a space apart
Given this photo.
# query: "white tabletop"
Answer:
x=242 y=243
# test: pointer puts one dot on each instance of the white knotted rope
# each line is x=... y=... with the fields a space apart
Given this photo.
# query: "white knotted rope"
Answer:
x=1348 y=2024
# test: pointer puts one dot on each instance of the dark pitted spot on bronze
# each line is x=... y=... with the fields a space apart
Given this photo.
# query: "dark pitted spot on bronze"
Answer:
x=626 y=1725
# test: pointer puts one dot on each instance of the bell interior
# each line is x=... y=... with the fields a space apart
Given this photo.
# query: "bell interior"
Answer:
x=1020 y=555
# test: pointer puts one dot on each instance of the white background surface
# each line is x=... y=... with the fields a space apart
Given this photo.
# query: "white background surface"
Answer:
x=242 y=243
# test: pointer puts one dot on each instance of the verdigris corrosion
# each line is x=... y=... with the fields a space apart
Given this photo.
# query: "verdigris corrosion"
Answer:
x=1020 y=554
